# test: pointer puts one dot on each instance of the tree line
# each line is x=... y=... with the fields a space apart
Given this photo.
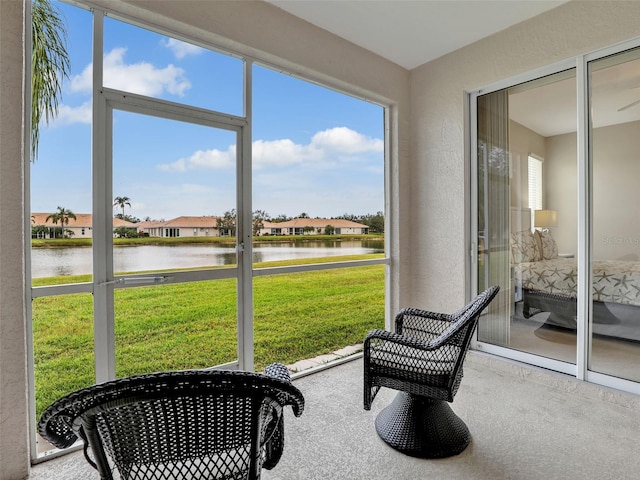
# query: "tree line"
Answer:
x=227 y=222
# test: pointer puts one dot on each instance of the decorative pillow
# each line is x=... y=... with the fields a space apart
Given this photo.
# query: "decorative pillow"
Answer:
x=524 y=247
x=549 y=247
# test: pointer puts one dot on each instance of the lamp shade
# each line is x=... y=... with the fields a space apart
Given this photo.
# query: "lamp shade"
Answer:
x=545 y=218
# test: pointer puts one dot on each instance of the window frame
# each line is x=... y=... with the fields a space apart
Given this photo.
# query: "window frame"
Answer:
x=102 y=201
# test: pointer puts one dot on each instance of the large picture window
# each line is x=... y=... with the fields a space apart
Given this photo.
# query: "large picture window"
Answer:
x=192 y=209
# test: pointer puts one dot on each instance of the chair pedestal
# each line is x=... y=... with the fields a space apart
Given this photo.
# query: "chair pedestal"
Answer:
x=422 y=427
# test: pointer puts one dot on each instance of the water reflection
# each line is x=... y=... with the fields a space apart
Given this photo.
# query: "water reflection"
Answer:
x=51 y=262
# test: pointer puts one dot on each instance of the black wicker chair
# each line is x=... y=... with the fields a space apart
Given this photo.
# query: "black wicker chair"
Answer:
x=423 y=359
x=195 y=424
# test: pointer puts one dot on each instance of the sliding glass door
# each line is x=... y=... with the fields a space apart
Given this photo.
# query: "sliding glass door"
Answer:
x=526 y=182
x=615 y=266
x=556 y=223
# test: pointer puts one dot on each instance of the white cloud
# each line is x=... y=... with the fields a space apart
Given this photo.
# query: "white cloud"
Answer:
x=345 y=141
x=181 y=49
x=204 y=159
x=326 y=148
x=142 y=78
x=279 y=153
x=68 y=115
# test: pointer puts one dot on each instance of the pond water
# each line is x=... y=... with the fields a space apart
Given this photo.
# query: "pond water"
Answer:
x=51 y=262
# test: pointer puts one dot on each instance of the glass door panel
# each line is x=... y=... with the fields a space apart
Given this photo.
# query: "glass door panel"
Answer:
x=615 y=120
x=174 y=246
x=174 y=187
x=527 y=215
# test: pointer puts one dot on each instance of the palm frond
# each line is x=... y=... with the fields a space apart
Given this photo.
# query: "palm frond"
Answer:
x=49 y=65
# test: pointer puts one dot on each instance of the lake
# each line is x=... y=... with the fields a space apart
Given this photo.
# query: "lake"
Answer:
x=53 y=262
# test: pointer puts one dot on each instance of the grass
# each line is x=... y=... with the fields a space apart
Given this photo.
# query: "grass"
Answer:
x=193 y=325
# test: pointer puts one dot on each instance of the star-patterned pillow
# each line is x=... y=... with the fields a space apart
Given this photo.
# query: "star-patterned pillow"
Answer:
x=549 y=248
x=524 y=247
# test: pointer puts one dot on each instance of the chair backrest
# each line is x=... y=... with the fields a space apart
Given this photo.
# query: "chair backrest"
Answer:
x=172 y=425
x=467 y=317
x=464 y=322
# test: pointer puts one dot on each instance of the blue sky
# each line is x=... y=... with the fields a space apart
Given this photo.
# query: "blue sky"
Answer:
x=314 y=150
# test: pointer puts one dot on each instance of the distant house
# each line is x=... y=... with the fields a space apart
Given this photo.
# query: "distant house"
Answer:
x=314 y=226
x=184 y=226
x=80 y=227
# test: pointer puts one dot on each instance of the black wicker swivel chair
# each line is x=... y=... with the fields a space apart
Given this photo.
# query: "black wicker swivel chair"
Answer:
x=423 y=359
x=195 y=424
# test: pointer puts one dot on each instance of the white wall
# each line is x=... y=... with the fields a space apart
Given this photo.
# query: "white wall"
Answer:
x=522 y=142
x=561 y=188
x=616 y=196
x=14 y=420
x=438 y=192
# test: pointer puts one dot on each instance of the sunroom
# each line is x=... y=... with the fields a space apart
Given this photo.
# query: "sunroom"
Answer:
x=478 y=143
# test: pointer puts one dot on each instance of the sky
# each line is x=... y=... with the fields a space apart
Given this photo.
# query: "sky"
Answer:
x=315 y=151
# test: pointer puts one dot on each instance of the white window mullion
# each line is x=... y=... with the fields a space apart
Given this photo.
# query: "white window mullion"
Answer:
x=584 y=309
x=244 y=233
x=104 y=339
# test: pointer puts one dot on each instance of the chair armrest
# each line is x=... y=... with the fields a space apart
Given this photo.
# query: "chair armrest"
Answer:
x=433 y=344
x=400 y=339
x=414 y=318
x=273 y=445
x=278 y=370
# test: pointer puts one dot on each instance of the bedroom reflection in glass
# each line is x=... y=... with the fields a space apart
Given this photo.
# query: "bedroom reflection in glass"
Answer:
x=615 y=120
x=527 y=215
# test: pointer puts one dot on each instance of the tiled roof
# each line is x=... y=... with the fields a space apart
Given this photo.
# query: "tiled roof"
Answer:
x=318 y=223
x=82 y=220
x=182 y=222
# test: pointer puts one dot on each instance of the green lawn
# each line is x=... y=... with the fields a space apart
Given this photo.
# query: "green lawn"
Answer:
x=193 y=325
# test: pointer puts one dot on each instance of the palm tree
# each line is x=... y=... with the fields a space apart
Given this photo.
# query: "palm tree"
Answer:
x=62 y=215
x=122 y=202
x=49 y=65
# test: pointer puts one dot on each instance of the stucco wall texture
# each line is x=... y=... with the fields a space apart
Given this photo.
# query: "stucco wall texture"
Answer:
x=14 y=452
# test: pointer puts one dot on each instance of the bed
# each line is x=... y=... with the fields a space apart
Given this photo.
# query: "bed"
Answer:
x=548 y=282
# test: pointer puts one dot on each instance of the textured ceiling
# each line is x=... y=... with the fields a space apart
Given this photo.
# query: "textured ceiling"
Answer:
x=411 y=33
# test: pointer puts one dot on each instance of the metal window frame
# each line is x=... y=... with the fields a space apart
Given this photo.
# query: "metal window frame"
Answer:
x=104 y=101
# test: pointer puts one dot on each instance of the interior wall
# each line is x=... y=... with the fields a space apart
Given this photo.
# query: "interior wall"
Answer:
x=522 y=142
x=616 y=170
x=616 y=196
x=14 y=420
x=560 y=172
x=439 y=178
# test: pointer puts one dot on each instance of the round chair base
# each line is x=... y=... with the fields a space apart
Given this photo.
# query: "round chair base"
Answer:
x=422 y=427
